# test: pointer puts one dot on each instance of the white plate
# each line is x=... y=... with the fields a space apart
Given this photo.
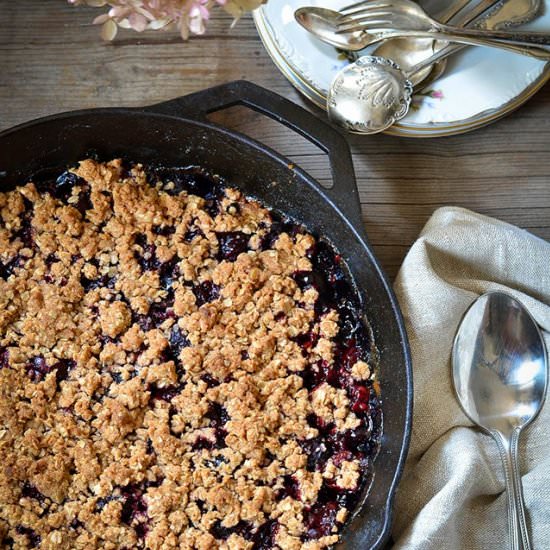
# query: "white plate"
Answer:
x=479 y=85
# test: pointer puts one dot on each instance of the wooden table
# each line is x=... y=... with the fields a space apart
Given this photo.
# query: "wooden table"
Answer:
x=52 y=60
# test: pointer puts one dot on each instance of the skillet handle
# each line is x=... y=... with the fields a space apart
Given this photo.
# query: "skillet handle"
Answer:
x=198 y=105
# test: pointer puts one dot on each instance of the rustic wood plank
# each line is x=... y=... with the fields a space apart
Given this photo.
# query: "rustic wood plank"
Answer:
x=52 y=60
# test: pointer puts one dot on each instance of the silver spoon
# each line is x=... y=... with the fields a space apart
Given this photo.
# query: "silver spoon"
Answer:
x=405 y=19
x=500 y=374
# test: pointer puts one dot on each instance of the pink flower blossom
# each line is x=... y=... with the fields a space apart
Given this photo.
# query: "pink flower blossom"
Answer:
x=188 y=16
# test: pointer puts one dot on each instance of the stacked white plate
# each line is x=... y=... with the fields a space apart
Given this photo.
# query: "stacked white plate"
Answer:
x=479 y=86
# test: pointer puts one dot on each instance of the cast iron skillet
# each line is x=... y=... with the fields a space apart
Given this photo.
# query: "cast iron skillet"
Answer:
x=177 y=133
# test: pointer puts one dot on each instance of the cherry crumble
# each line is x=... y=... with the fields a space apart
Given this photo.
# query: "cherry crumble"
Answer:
x=180 y=367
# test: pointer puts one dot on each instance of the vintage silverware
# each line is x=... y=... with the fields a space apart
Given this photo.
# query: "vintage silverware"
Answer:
x=511 y=13
x=349 y=102
x=487 y=14
x=327 y=27
x=500 y=373
x=378 y=20
x=373 y=93
x=409 y=52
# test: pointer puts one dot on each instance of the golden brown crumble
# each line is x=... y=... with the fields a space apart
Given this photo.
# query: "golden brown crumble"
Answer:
x=162 y=372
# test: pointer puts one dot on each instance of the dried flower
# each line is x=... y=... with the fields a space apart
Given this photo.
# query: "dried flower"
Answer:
x=188 y=16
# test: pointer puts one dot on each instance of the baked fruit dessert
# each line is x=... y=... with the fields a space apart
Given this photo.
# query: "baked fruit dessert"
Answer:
x=180 y=367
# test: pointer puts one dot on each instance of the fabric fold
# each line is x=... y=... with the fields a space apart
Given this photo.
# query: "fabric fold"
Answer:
x=452 y=495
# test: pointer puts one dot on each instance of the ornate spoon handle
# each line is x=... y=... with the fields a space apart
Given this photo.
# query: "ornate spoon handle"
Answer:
x=527 y=49
x=508 y=446
x=521 y=38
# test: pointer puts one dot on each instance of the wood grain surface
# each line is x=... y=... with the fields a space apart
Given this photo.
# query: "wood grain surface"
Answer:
x=52 y=60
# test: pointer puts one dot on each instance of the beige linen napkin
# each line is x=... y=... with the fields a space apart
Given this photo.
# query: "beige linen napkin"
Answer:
x=452 y=493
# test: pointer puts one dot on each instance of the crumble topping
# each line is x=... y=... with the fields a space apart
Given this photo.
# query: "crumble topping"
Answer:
x=179 y=368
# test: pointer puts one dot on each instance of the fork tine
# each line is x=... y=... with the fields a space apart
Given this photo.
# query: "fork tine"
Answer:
x=364 y=14
x=365 y=5
x=382 y=18
x=353 y=7
x=371 y=29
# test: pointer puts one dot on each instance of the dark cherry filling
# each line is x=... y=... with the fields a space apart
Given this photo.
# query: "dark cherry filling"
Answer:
x=279 y=224
x=62 y=369
x=168 y=273
x=7 y=269
x=164 y=230
x=318 y=452
x=147 y=259
x=206 y=292
x=166 y=393
x=25 y=233
x=34 y=538
x=103 y=281
x=28 y=490
x=262 y=538
x=193 y=232
x=216 y=462
x=4 y=358
x=157 y=314
x=210 y=381
x=308 y=279
x=290 y=488
x=320 y=519
x=353 y=343
x=176 y=343
x=231 y=244
x=102 y=502
x=243 y=529
x=76 y=524
x=280 y=316
x=315 y=374
x=194 y=181
x=84 y=202
x=61 y=187
x=37 y=369
x=307 y=341
x=134 y=507
x=218 y=416
x=50 y=260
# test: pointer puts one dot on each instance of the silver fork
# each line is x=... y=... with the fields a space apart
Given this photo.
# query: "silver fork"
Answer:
x=408 y=52
x=394 y=18
x=375 y=15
